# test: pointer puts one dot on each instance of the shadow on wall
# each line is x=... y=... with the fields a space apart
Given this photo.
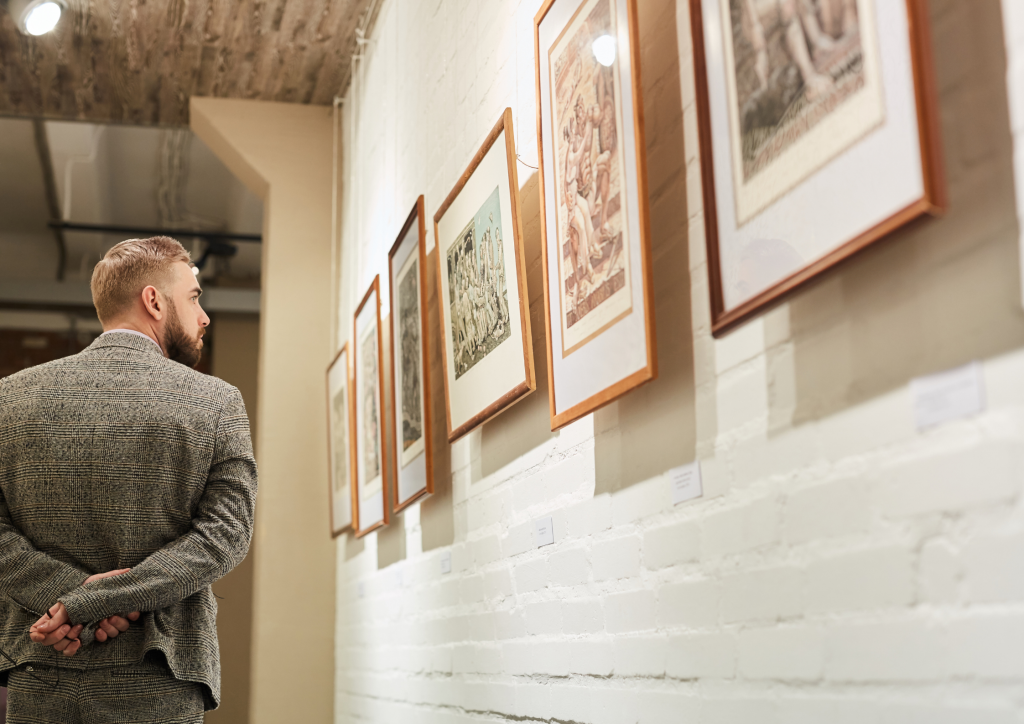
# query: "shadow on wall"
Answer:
x=654 y=427
x=353 y=546
x=437 y=512
x=391 y=542
x=527 y=425
x=390 y=538
x=942 y=292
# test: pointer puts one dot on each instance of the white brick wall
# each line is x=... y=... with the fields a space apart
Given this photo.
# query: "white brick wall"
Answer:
x=841 y=567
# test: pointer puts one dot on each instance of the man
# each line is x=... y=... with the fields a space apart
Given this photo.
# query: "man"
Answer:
x=127 y=484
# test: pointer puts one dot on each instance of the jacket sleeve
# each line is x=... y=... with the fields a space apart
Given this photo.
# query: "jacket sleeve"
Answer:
x=217 y=541
x=29 y=577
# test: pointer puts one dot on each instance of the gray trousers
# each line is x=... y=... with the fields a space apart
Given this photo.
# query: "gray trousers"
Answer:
x=145 y=692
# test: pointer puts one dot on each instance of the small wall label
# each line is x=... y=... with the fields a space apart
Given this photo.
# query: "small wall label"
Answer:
x=947 y=396
x=446 y=562
x=685 y=482
x=543 y=532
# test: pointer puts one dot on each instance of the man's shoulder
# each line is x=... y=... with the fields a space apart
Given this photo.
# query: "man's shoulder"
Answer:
x=168 y=374
x=214 y=387
x=30 y=376
x=123 y=371
x=44 y=373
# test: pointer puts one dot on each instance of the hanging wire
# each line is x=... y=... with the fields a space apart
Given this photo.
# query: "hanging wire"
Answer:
x=335 y=221
x=519 y=158
x=358 y=86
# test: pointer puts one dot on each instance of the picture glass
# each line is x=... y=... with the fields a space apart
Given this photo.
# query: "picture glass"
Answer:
x=368 y=408
x=479 y=290
x=409 y=367
x=340 y=442
x=597 y=261
x=804 y=85
x=476 y=288
x=339 y=419
x=810 y=114
x=587 y=129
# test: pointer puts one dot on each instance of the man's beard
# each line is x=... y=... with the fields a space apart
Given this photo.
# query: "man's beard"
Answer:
x=179 y=346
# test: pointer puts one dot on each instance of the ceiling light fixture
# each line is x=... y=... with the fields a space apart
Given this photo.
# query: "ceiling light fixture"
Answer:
x=604 y=50
x=36 y=17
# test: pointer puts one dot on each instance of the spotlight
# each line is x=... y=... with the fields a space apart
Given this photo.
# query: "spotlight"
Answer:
x=604 y=50
x=35 y=17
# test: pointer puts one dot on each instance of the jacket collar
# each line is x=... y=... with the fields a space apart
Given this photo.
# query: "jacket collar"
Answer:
x=127 y=340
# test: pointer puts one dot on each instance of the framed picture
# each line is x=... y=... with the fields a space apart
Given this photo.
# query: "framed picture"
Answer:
x=371 y=510
x=483 y=305
x=339 y=442
x=818 y=136
x=598 y=294
x=410 y=357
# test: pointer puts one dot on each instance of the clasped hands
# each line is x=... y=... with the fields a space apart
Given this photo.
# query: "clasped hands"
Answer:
x=55 y=629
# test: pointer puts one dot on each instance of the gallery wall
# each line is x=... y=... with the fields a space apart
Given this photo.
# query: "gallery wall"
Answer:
x=841 y=565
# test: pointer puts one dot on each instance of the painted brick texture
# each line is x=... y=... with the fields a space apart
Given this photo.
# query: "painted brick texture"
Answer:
x=841 y=567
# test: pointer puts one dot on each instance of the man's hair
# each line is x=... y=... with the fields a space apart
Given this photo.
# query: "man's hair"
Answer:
x=128 y=268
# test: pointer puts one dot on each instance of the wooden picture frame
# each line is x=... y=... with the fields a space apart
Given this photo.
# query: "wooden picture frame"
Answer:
x=492 y=368
x=599 y=306
x=371 y=458
x=855 y=155
x=412 y=454
x=340 y=413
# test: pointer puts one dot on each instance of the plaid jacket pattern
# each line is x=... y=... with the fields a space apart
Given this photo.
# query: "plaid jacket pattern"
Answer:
x=117 y=457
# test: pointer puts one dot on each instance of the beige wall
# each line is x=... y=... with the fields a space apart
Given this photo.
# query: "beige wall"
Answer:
x=235 y=348
x=283 y=153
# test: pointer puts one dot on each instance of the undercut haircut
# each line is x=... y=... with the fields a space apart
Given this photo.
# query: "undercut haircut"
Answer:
x=131 y=266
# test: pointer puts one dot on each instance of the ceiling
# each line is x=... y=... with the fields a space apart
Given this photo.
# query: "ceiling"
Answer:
x=139 y=61
x=158 y=178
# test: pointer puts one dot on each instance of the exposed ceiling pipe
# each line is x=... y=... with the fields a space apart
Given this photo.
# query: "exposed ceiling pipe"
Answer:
x=50 y=183
x=170 y=194
x=149 y=231
x=51 y=295
x=175 y=147
x=216 y=244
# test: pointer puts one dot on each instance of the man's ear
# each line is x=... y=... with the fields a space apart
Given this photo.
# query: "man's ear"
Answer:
x=154 y=302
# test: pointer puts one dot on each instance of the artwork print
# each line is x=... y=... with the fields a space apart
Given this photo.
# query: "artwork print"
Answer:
x=803 y=87
x=339 y=445
x=410 y=360
x=369 y=400
x=339 y=441
x=477 y=288
x=593 y=237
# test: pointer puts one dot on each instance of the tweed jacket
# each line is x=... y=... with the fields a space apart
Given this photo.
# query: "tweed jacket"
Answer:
x=117 y=457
